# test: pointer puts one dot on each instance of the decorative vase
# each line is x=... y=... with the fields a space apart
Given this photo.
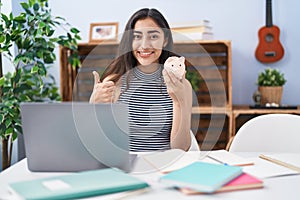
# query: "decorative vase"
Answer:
x=256 y=98
x=270 y=94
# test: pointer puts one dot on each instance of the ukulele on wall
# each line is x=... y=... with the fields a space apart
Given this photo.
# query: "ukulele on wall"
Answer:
x=269 y=48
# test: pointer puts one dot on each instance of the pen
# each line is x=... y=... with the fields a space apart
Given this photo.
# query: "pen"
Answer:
x=284 y=164
x=219 y=161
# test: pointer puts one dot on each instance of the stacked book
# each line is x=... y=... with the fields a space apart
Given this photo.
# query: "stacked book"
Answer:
x=189 y=31
x=78 y=185
x=197 y=173
x=201 y=177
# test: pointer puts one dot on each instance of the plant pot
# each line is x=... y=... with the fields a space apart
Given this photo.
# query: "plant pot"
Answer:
x=270 y=94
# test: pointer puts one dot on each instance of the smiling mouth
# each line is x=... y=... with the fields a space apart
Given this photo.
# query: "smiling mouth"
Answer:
x=145 y=54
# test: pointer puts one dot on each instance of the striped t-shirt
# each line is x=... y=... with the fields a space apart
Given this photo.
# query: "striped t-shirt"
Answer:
x=150 y=110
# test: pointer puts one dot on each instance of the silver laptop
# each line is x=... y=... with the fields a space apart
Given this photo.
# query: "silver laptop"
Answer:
x=75 y=136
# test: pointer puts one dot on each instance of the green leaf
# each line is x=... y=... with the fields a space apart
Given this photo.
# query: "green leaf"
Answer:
x=1 y=118
x=8 y=37
x=8 y=122
x=30 y=18
x=77 y=37
x=14 y=135
x=69 y=36
x=2 y=38
x=27 y=43
x=9 y=131
x=21 y=18
x=4 y=17
x=22 y=88
x=24 y=5
x=2 y=130
x=50 y=33
x=31 y=2
x=42 y=25
x=36 y=7
x=34 y=69
x=2 y=81
x=74 y=30
x=26 y=8
x=17 y=77
x=39 y=54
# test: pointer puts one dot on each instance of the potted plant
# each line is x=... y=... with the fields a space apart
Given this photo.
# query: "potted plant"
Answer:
x=195 y=79
x=270 y=85
x=32 y=34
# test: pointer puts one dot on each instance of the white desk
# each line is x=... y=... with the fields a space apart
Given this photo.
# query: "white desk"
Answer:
x=285 y=187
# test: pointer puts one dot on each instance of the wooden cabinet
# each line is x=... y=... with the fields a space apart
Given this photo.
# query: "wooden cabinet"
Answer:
x=77 y=83
x=242 y=113
x=211 y=118
x=211 y=60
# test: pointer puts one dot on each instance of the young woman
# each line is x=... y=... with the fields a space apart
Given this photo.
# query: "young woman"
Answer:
x=159 y=102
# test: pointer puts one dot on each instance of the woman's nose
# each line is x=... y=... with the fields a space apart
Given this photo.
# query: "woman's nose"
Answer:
x=145 y=43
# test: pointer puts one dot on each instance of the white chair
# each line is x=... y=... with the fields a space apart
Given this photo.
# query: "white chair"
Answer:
x=194 y=144
x=268 y=133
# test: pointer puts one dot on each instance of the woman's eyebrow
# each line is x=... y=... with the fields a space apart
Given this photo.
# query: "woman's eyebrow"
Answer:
x=139 y=32
x=153 y=31
x=149 y=32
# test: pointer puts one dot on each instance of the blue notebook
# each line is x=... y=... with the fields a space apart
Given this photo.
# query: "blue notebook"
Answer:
x=202 y=176
x=77 y=185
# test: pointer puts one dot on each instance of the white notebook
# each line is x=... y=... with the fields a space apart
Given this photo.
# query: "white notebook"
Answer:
x=225 y=157
x=171 y=160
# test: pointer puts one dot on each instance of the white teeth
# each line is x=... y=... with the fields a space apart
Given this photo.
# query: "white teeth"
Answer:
x=145 y=53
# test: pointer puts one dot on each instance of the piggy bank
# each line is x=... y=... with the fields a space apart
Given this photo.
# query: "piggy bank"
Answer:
x=176 y=65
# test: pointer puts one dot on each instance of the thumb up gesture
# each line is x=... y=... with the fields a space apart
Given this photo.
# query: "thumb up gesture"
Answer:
x=103 y=92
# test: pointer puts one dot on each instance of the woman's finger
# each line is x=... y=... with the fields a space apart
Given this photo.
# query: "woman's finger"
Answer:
x=96 y=77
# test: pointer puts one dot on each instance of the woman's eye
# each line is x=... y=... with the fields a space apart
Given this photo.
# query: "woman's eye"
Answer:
x=153 y=37
x=136 y=37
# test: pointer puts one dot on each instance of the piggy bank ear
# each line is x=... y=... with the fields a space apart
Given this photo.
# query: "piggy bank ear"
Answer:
x=170 y=59
x=182 y=59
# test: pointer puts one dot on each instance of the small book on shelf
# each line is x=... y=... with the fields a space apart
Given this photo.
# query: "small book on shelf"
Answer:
x=77 y=185
x=203 y=22
x=201 y=176
x=192 y=29
x=189 y=36
x=242 y=182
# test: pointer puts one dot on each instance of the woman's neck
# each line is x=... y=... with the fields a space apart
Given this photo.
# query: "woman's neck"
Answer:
x=148 y=69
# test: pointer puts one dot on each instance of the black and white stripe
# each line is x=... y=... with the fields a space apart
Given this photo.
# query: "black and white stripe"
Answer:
x=150 y=111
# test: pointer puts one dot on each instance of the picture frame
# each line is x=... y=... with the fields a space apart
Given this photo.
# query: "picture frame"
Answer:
x=100 y=32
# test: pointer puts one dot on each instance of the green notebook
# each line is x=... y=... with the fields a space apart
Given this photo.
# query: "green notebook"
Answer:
x=202 y=176
x=77 y=185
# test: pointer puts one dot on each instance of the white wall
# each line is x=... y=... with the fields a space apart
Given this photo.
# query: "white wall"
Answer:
x=235 y=20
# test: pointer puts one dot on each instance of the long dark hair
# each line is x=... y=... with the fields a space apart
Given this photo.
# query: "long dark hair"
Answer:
x=125 y=60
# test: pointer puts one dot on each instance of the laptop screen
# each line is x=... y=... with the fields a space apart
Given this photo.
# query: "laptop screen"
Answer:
x=75 y=136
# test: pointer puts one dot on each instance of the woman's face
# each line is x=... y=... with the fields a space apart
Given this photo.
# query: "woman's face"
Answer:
x=148 y=41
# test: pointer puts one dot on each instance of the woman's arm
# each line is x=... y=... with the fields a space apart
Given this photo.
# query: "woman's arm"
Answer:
x=181 y=93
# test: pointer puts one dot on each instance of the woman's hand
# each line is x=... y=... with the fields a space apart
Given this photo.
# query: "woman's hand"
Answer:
x=180 y=90
x=103 y=92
